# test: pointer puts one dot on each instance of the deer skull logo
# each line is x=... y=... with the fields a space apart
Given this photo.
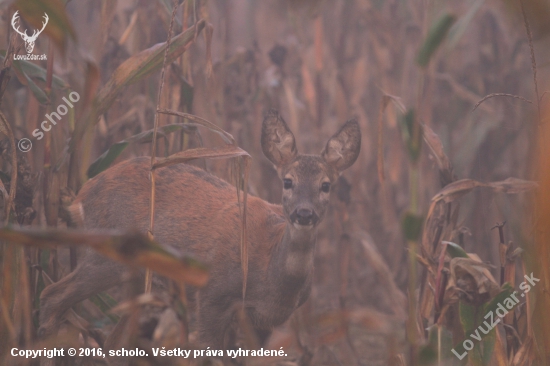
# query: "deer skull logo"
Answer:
x=29 y=40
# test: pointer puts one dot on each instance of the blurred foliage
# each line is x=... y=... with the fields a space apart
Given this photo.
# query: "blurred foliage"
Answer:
x=320 y=63
x=59 y=28
x=435 y=36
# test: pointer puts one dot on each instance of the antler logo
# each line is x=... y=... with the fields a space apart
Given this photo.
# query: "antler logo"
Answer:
x=29 y=40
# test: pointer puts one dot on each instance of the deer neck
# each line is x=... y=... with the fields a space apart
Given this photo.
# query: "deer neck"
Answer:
x=293 y=258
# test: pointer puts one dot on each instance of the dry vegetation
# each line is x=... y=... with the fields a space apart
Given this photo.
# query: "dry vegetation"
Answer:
x=407 y=262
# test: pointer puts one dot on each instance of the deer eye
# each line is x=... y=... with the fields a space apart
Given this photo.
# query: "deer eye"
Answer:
x=287 y=183
x=325 y=187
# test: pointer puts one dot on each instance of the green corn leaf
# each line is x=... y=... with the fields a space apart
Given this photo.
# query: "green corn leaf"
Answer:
x=435 y=37
x=104 y=302
x=455 y=250
x=106 y=159
x=412 y=226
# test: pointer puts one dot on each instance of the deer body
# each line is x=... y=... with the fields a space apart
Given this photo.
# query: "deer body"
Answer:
x=198 y=214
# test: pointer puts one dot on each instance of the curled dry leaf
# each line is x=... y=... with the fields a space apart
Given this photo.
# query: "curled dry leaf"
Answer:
x=133 y=249
x=457 y=189
x=472 y=278
x=443 y=163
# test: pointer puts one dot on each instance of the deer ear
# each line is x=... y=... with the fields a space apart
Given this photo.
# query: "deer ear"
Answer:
x=343 y=148
x=278 y=143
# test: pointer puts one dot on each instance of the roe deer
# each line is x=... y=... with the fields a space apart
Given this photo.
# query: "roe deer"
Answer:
x=197 y=213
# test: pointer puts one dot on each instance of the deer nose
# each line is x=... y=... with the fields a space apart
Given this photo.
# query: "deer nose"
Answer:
x=305 y=216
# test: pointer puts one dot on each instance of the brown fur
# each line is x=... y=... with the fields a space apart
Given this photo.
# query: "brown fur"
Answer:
x=197 y=214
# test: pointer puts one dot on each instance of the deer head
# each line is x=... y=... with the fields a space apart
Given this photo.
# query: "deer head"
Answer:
x=29 y=40
x=307 y=178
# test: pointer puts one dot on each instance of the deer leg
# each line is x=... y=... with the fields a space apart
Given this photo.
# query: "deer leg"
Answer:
x=213 y=327
x=263 y=335
x=93 y=275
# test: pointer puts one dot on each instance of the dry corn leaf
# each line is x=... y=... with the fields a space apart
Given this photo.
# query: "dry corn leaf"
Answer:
x=228 y=151
x=227 y=137
x=130 y=71
x=133 y=249
x=443 y=162
x=524 y=354
x=473 y=278
x=513 y=185
x=369 y=318
x=126 y=307
x=536 y=312
x=72 y=315
x=459 y=188
x=499 y=353
x=105 y=160
x=91 y=84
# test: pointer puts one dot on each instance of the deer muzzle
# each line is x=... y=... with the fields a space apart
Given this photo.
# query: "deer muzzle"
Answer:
x=304 y=217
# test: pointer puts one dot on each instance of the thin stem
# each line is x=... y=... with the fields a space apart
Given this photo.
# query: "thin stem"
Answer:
x=533 y=60
x=13 y=181
x=148 y=276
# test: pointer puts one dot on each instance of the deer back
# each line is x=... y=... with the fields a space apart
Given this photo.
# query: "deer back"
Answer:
x=196 y=213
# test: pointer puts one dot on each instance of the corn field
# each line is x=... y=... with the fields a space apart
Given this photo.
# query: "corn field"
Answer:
x=434 y=250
